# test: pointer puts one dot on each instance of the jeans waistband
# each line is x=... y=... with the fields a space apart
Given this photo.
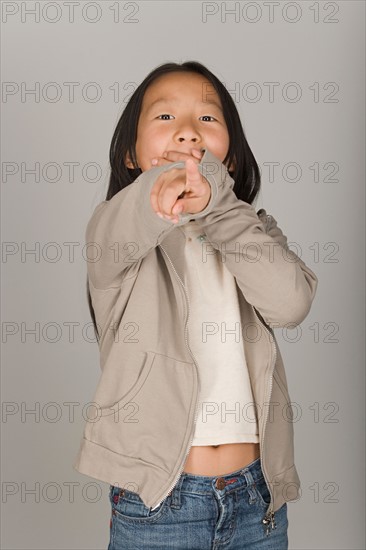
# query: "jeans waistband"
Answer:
x=243 y=477
x=204 y=485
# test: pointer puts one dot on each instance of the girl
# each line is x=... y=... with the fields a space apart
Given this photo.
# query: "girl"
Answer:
x=186 y=282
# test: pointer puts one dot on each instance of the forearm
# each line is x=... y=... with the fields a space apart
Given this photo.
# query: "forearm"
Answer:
x=253 y=248
x=122 y=231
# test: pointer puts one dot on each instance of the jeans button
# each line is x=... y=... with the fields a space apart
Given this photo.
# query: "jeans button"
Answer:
x=220 y=483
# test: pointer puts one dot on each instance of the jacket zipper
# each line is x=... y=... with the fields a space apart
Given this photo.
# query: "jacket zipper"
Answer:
x=269 y=517
x=197 y=401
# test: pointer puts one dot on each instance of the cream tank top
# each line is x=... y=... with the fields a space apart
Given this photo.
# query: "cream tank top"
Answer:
x=226 y=406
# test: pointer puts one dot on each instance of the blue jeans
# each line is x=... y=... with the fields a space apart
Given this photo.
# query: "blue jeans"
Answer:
x=201 y=513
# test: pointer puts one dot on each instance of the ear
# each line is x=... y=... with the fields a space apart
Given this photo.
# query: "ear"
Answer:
x=128 y=162
x=232 y=166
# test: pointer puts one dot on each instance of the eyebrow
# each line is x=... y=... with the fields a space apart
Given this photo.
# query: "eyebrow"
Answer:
x=173 y=100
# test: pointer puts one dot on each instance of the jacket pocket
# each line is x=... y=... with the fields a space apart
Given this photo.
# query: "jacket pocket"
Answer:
x=133 y=391
x=151 y=420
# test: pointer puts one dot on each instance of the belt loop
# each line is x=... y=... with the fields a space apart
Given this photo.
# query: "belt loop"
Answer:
x=175 y=494
x=251 y=484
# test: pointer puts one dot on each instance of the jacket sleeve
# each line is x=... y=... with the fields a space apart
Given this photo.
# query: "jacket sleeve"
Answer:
x=122 y=231
x=271 y=277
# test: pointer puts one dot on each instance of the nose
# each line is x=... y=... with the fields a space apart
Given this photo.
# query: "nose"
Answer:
x=187 y=134
x=194 y=139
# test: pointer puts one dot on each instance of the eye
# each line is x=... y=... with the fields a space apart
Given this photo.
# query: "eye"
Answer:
x=165 y=114
x=208 y=116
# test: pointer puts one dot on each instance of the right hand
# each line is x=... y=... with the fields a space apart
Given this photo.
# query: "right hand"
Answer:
x=180 y=190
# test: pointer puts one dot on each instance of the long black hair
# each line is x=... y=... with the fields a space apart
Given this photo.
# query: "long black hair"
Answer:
x=246 y=173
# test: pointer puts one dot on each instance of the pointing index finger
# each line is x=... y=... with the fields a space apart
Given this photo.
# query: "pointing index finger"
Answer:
x=193 y=174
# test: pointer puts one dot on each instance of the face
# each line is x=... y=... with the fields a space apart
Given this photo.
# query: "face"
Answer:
x=180 y=111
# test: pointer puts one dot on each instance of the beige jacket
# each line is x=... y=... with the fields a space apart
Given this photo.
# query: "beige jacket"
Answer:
x=146 y=401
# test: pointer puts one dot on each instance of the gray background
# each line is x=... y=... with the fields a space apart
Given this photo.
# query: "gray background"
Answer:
x=319 y=206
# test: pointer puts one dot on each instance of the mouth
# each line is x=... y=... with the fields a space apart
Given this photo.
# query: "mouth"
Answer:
x=190 y=151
